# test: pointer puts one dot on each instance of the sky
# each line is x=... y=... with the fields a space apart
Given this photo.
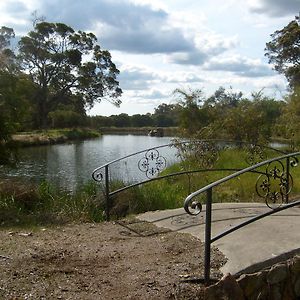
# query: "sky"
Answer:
x=162 y=45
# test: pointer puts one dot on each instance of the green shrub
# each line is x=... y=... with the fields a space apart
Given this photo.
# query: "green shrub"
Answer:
x=66 y=118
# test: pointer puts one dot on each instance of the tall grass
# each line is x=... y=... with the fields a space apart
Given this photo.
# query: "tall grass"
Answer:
x=23 y=204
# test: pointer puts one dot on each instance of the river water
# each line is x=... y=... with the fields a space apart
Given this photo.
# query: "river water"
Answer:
x=68 y=166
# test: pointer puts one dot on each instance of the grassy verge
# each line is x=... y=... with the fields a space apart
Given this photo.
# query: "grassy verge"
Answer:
x=22 y=204
x=53 y=136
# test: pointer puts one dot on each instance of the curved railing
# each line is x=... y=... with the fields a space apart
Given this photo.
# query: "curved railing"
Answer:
x=149 y=164
x=274 y=184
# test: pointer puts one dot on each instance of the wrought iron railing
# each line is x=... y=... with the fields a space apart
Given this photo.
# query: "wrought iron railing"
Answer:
x=274 y=184
x=148 y=165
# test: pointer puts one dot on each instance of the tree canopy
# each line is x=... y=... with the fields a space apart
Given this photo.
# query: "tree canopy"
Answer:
x=7 y=95
x=67 y=66
x=283 y=52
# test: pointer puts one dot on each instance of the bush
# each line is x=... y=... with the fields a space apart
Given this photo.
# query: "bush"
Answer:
x=66 y=118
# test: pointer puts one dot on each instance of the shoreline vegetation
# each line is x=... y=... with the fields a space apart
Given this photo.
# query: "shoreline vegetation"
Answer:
x=167 y=131
x=58 y=136
x=53 y=136
x=24 y=204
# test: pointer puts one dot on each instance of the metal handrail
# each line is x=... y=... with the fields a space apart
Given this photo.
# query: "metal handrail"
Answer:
x=231 y=176
x=176 y=144
x=197 y=207
x=101 y=174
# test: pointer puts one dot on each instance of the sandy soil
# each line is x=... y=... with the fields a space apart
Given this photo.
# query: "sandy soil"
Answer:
x=128 y=259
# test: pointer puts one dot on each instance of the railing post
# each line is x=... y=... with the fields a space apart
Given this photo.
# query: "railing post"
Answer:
x=107 y=202
x=207 y=236
x=287 y=180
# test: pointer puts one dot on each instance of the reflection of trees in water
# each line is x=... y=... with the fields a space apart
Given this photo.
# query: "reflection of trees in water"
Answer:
x=70 y=165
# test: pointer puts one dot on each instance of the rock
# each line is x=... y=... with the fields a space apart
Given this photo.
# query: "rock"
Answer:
x=262 y=293
x=252 y=284
x=295 y=265
x=226 y=288
x=277 y=274
x=275 y=293
x=281 y=282
x=297 y=287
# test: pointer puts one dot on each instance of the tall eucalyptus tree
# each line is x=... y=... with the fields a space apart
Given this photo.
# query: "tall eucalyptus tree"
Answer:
x=67 y=65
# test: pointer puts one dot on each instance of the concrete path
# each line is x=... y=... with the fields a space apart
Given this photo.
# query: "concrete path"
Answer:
x=255 y=243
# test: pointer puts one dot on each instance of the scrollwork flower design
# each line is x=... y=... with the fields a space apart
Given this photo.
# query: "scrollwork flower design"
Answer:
x=255 y=154
x=274 y=185
x=152 y=164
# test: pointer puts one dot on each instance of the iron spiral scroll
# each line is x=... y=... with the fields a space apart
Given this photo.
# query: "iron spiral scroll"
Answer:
x=254 y=154
x=152 y=163
x=97 y=175
x=276 y=183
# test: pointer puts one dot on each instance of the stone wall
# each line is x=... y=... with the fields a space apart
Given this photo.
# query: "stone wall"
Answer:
x=280 y=282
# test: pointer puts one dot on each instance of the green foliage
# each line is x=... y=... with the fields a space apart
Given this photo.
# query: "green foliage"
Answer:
x=283 y=52
x=227 y=114
x=13 y=98
x=288 y=126
x=139 y=120
x=191 y=117
x=66 y=118
x=171 y=192
x=78 y=133
x=122 y=120
x=7 y=57
x=53 y=55
x=25 y=204
x=166 y=115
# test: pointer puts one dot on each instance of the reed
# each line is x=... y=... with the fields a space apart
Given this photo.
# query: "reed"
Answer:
x=24 y=204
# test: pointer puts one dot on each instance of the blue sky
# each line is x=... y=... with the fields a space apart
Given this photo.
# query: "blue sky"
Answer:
x=161 y=45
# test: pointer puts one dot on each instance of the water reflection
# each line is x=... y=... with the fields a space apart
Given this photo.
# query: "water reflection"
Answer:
x=70 y=165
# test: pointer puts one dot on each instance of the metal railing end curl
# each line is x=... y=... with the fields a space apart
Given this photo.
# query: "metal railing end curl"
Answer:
x=97 y=174
x=192 y=206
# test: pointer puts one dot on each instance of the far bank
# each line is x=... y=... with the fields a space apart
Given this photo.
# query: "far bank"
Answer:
x=58 y=136
x=53 y=136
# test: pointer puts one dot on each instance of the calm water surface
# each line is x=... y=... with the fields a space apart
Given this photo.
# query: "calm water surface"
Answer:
x=70 y=165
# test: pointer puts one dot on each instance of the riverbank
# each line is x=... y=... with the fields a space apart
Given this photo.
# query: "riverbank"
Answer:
x=53 y=136
x=167 y=131
x=58 y=136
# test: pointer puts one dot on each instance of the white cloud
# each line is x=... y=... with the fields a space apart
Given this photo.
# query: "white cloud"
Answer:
x=121 y=25
x=137 y=78
x=184 y=77
x=275 y=8
x=241 y=66
x=152 y=94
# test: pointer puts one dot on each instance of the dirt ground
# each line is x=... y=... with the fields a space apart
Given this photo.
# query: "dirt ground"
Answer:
x=128 y=259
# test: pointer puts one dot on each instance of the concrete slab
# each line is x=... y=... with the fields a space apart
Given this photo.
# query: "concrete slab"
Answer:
x=255 y=243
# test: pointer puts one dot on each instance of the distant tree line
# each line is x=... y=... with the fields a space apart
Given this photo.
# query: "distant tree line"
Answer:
x=165 y=115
